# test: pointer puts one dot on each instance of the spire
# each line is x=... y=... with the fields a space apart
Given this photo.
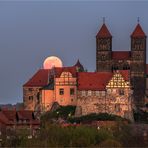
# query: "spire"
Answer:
x=79 y=65
x=103 y=32
x=138 y=32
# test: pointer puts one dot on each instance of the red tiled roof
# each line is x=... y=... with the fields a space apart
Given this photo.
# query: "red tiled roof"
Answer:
x=103 y=32
x=11 y=117
x=59 y=70
x=125 y=74
x=25 y=114
x=97 y=80
x=39 y=79
x=93 y=80
x=138 y=32
x=3 y=118
x=121 y=55
x=10 y=114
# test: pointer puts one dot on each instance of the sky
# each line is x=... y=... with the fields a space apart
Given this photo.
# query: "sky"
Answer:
x=30 y=31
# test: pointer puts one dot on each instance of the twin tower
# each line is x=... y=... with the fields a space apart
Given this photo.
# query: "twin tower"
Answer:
x=134 y=60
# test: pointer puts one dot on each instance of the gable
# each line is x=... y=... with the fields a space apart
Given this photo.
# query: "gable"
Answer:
x=66 y=75
x=118 y=81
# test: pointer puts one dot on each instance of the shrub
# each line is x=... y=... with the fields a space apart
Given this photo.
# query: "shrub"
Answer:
x=94 y=116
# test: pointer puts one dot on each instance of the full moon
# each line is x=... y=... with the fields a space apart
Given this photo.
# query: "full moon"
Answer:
x=51 y=62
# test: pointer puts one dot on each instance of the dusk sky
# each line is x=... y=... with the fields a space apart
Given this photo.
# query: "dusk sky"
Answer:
x=32 y=31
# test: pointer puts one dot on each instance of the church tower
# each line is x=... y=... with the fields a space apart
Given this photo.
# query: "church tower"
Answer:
x=103 y=49
x=138 y=65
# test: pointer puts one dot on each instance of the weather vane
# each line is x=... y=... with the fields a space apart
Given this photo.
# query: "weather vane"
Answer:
x=103 y=20
x=138 y=19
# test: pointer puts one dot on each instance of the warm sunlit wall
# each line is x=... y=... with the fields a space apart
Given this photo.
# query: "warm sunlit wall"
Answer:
x=66 y=82
x=46 y=99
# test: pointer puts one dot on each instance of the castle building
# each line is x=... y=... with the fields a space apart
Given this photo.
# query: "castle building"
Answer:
x=119 y=83
x=55 y=85
x=134 y=60
x=105 y=92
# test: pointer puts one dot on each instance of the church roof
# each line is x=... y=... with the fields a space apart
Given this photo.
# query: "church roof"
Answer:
x=39 y=79
x=138 y=32
x=103 y=32
x=97 y=80
x=121 y=55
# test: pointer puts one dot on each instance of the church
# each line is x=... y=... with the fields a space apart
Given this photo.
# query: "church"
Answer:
x=116 y=87
x=134 y=60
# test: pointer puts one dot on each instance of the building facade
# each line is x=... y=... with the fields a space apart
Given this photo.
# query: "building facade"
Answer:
x=12 y=121
x=105 y=92
x=48 y=86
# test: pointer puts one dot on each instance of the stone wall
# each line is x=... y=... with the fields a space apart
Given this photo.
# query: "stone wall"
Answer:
x=111 y=102
x=31 y=98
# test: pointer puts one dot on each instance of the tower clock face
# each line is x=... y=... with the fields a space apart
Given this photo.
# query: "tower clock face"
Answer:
x=104 y=44
x=138 y=44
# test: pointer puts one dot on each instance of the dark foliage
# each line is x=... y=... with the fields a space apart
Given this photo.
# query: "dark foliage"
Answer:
x=92 y=117
x=141 y=116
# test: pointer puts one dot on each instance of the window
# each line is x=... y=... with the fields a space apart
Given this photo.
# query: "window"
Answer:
x=83 y=93
x=30 y=89
x=121 y=92
x=108 y=91
x=117 y=108
x=103 y=93
x=89 y=93
x=97 y=93
x=72 y=91
x=61 y=91
x=30 y=97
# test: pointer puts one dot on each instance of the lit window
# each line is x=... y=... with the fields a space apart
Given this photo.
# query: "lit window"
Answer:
x=61 y=91
x=89 y=93
x=72 y=91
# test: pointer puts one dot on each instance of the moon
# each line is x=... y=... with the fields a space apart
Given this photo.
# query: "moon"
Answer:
x=51 y=62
